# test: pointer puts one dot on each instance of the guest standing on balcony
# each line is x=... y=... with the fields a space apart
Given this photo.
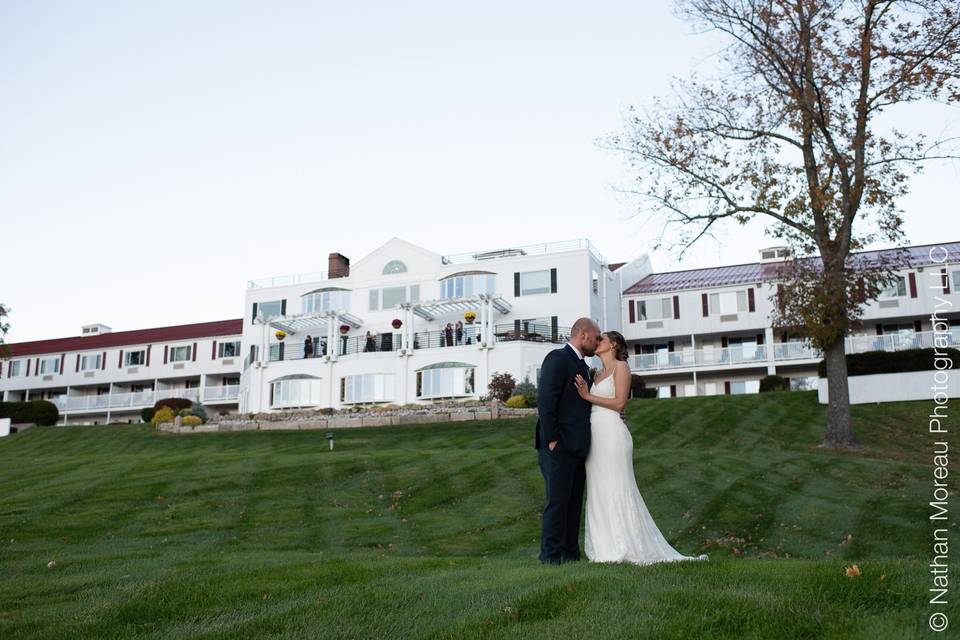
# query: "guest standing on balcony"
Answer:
x=308 y=347
x=371 y=343
x=448 y=335
x=459 y=330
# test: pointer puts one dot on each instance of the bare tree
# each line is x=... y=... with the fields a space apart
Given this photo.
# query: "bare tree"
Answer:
x=4 y=328
x=791 y=131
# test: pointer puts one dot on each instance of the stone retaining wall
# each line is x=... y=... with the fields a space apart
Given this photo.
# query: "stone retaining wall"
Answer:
x=345 y=422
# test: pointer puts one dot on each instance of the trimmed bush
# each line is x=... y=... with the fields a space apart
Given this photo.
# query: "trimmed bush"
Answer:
x=174 y=403
x=517 y=402
x=774 y=382
x=191 y=421
x=183 y=413
x=528 y=390
x=163 y=414
x=501 y=386
x=146 y=414
x=872 y=362
x=39 y=412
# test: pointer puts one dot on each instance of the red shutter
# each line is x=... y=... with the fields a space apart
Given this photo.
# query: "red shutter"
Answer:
x=193 y=352
x=166 y=350
x=751 y=306
x=28 y=366
x=780 y=303
x=120 y=360
x=944 y=280
x=213 y=352
x=633 y=313
x=103 y=362
x=36 y=368
x=148 y=354
x=78 y=363
x=913 y=284
x=917 y=326
x=726 y=387
x=1 y=372
x=63 y=357
x=879 y=329
x=705 y=303
x=676 y=307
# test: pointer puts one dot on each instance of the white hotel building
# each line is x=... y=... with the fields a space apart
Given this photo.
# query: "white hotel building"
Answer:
x=377 y=332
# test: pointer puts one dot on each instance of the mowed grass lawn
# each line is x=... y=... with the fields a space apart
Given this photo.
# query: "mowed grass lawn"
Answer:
x=432 y=531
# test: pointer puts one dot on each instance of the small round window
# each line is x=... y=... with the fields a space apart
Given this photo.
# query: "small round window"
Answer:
x=395 y=266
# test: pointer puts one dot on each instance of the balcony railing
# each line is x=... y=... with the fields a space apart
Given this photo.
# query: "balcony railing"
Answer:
x=143 y=398
x=781 y=351
x=389 y=342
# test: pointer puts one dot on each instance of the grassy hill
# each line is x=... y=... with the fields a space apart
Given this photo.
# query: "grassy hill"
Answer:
x=433 y=531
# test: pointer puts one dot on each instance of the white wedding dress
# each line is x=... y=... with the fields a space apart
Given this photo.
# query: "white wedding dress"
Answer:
x=618 y=526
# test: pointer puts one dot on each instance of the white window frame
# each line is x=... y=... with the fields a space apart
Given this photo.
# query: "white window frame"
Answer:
x=321 y=301
x=367 y=387
x=15 y=368
x=666 y=309
x=898 y=287
x=44 y=369
x=727 y=302
x=236 y=349
x=263 y=314
x=88 y=359
x=467 y=285
x=447 y=382
x=956 y=281
x=411 y=293
x=179 y=348
x=524 y=275
x=296 y=392
x=142 y=359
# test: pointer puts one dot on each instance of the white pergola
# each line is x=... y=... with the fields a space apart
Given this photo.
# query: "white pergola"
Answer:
x=484 y=304
x=326 y=321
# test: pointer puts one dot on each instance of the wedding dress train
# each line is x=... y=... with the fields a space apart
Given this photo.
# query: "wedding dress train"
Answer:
x=618 y=526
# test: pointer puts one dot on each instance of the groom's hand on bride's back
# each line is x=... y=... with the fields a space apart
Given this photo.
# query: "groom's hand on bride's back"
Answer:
x=552 y=444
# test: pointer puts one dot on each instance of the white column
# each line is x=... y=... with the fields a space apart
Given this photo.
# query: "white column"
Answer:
x=693 y=350
x=109 y=400
x=768 y=343
x=203 y=386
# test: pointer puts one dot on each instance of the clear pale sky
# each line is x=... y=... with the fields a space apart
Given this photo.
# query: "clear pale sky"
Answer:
x=155 y=158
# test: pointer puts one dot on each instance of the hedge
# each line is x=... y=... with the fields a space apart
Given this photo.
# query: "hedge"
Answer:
x=872 y=362
x=774 y=382
x=40 y=412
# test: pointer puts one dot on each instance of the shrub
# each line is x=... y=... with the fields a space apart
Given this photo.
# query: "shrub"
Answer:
x=501 y=386
x=871 y=362
x=191 y=421
x=638 y=388
x=528 y=390
x=774 y=382
x=146 y=414
x=174 y=403
x=199 y=410
x=517 y=402
x=163 y=414
x=183 y=413
x=39 y=412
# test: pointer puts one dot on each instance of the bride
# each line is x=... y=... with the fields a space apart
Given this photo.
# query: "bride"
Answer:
x=618 y=526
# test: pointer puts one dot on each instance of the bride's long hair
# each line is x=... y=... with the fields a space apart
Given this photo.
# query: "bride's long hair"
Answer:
x=619 y=344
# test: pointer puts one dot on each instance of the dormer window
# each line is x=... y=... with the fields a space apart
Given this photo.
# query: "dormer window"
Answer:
x=466 y=284
x=394 y=266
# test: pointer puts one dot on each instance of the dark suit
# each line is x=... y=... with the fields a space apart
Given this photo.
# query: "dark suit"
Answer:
x=565 y=417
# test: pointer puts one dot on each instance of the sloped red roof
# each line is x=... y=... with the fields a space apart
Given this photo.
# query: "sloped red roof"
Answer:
x=917 y=255
x=123 y=338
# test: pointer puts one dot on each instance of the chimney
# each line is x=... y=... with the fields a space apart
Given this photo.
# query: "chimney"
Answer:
x=338 y=266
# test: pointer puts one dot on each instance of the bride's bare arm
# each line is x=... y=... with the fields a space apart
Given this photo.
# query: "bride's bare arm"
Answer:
x=621 y=384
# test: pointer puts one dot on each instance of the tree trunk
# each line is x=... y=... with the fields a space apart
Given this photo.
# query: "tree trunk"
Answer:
x=839 y=424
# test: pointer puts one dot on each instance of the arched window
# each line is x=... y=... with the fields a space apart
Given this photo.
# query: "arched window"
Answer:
x=394 y=266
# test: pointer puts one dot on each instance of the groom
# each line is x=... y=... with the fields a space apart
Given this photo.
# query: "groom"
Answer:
x=563 y=441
